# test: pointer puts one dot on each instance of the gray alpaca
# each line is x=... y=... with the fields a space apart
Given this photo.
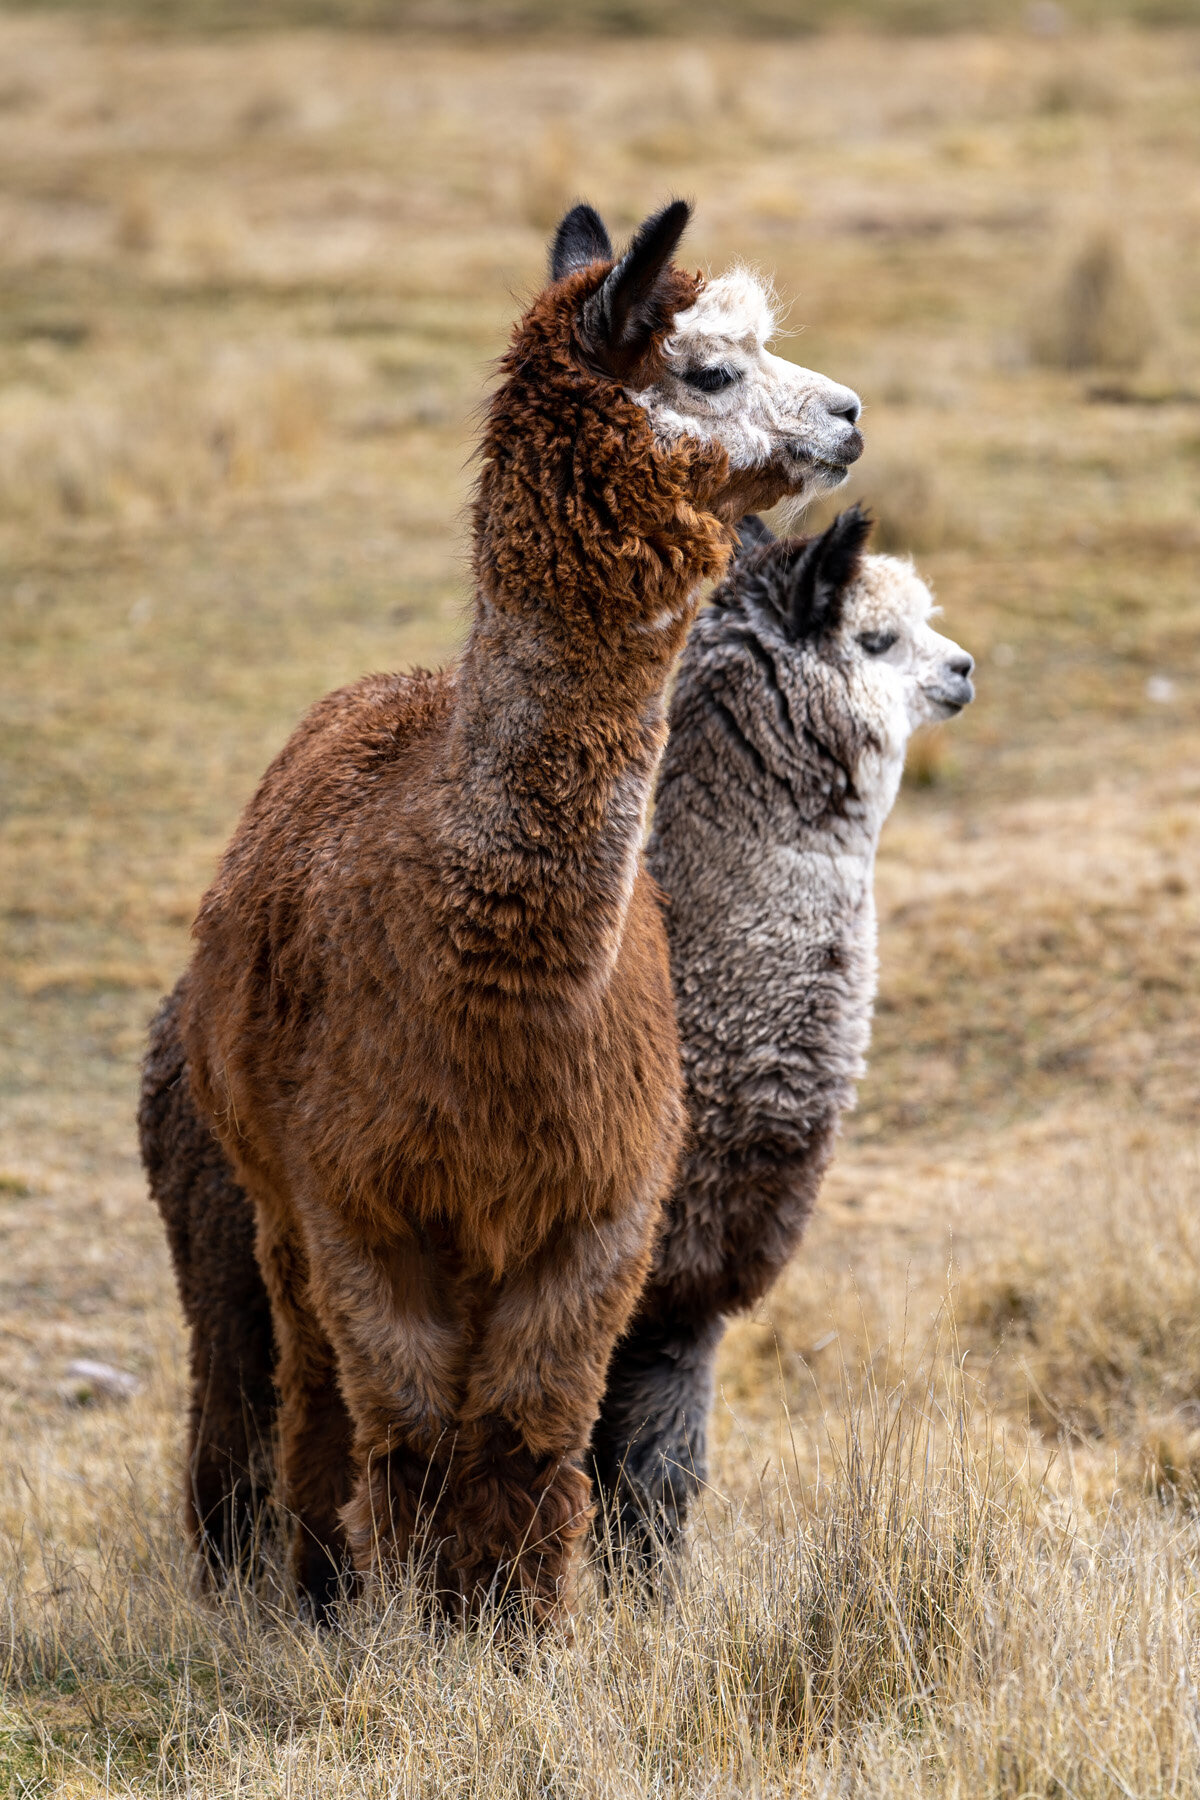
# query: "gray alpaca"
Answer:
x=797 y=693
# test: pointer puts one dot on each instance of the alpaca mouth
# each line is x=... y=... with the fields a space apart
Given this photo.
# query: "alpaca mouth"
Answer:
x=819 y=472
x=951 y=700
x=820 y=475
x=829 y=469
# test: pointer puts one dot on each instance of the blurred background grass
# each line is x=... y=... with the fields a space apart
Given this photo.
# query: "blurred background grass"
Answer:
x=625 y=18
x=251 y=288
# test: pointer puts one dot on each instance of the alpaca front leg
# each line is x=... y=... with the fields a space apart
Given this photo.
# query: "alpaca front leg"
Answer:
x=520 y=1501
x=650 y=1443
x=393 y=1317
x=314 y=1449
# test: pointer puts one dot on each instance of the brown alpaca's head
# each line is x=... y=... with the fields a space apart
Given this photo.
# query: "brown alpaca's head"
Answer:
x=639 y=416
x=692 y=355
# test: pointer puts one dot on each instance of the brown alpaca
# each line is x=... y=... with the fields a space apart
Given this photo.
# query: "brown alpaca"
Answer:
x=429 y=1014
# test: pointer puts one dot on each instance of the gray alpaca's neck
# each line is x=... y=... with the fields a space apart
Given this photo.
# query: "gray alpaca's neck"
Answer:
x=768 y=815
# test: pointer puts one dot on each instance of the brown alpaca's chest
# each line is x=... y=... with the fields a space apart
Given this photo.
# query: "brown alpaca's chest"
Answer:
x=341 y=1044
x=500 y=1119
x=494 y=1126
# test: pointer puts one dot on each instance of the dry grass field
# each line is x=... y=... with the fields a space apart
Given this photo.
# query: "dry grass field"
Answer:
x=249 y=293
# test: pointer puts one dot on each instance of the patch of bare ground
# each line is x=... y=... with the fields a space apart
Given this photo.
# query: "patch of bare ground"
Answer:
x=249 y=293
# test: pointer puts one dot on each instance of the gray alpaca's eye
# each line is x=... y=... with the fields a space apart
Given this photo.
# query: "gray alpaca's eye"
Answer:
x=711 y=381
x=875 y=643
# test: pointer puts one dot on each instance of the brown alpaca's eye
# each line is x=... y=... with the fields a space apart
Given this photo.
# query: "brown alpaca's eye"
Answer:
x=875 y=643
x=711 y=381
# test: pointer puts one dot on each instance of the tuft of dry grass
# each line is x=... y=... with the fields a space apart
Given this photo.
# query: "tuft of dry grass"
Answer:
x=804 y=1619
x=1100 y=317
x=173 y=439
x=1093 y=1325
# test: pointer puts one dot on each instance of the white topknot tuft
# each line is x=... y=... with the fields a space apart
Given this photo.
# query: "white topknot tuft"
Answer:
x=737 y=307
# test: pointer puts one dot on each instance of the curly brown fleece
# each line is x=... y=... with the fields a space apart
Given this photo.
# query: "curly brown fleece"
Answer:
x=429 y=1013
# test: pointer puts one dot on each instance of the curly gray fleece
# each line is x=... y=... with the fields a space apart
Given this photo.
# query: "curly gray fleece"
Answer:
x=797 y=692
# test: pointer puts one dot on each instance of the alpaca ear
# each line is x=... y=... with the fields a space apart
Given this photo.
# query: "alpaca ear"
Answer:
x=823 y=570
x=623 y=315
x=751 y=533
x=580 y=239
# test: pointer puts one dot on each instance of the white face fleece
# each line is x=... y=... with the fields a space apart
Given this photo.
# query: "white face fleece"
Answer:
x=721 y=382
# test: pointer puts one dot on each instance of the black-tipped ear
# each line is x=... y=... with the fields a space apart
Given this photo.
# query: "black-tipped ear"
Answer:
x=751 y=532
x=824 y=570
x=622 y=315
x=580 y=239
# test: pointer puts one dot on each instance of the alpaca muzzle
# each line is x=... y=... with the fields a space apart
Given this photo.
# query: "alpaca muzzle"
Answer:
x=955 y=688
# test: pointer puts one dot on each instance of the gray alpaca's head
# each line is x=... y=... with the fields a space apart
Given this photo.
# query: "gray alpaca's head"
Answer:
x=853 y=629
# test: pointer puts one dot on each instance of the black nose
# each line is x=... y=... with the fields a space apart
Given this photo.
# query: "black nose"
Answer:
x=960 y=663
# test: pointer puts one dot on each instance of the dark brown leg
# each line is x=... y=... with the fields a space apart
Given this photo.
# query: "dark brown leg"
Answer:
x=314 y=1449
x=390 y=1308
x=230 y=1453
x=520 y=1499
x=211 y=1232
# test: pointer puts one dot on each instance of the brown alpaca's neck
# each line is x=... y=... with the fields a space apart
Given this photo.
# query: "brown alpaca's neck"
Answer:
x=591 y=541
x=551 y=761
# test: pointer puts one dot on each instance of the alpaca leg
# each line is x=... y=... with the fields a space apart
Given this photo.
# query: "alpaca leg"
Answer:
x=314 y=1450
x=393 y=1317
x=650 y=1444
x=210 y=1229
x=520 y=1498
x=232 y=1403
x=230 y=1449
